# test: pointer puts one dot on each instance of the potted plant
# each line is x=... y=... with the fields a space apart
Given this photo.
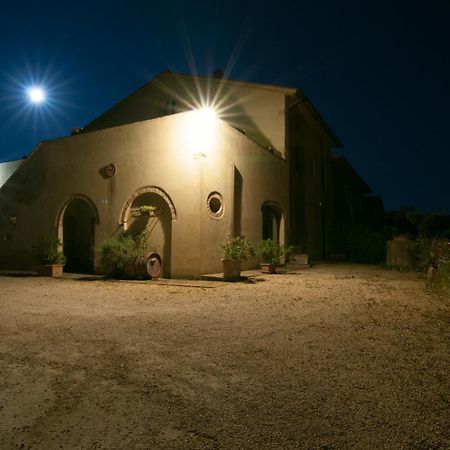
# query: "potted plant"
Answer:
x=235 y=250
x=48 y=254
x=271 y=253
x=118 y=254
x=288 y=253
x=149 y=210
x=298 y=258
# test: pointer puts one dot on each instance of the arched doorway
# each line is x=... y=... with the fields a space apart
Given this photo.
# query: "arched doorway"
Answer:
x=76 y=231
x=273 y=222
x=148 y=215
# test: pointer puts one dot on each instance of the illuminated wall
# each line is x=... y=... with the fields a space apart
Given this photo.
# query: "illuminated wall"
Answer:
x=180 y=155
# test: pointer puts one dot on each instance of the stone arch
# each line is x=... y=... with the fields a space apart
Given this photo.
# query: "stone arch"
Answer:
x=75 y=223
x=60 y=216
x=126 y=209
x=273 y=222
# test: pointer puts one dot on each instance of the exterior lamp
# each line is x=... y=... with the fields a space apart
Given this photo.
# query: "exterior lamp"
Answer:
x=207 y=116
x=202 y=132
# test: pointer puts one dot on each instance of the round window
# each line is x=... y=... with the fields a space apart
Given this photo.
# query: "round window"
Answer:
x=215 y=205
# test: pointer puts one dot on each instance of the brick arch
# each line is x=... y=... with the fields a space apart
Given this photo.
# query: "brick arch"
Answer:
x=125 y=213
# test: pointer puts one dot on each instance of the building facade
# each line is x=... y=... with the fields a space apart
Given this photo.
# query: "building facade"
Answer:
x=211 y=157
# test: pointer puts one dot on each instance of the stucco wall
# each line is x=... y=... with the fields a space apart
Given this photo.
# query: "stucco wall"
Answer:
x=164 y=152
x=309 y=184
x=259 y=111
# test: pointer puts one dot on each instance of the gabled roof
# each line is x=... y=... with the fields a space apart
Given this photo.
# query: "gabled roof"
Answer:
x=159 y=79
x=167 y=73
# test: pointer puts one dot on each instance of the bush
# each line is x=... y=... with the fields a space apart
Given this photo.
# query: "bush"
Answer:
x=270 y=251
x=289 y=251
x=434 y=255
x=432 y=252
x=115 y=253
x=441 y=279
x=366 y=246
x=238 y=248
x=46 y=251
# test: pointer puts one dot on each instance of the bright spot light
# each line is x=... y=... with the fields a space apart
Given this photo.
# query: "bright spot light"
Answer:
x=207 y=115
x=36 y=95
x=200 y=135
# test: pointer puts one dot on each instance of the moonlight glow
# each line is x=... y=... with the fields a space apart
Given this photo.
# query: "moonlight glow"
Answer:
x=36 y=95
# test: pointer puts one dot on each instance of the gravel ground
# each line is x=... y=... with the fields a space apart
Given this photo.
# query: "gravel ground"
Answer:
x=335 y=357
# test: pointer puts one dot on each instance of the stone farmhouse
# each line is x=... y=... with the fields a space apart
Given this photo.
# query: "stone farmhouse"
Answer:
x=212 y=157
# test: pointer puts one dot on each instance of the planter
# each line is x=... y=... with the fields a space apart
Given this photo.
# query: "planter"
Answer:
x=231 y=270
x=50 y=270
x=268 y=268
x=301 y=260
x=142 y=211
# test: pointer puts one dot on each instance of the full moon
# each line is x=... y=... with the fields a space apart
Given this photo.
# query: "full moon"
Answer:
x=36 y=95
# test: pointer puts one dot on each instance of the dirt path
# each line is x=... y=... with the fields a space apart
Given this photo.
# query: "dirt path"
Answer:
x=340 y=356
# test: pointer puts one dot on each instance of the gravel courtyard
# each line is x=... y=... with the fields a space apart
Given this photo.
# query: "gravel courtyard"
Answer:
x=335 y=357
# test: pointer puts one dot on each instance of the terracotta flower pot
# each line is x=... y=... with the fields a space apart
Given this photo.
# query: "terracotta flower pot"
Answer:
x=50 y=270
x=268 y=268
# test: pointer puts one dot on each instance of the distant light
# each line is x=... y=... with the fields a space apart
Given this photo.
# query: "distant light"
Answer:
x=36 y=95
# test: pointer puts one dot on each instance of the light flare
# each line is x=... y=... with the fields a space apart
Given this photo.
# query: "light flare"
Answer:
x=200 y=132
x=36 y=94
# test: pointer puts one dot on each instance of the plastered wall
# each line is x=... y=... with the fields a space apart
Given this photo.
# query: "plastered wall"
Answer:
x=162 y=153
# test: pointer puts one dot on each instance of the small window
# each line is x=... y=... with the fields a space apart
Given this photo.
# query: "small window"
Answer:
x=215 y=205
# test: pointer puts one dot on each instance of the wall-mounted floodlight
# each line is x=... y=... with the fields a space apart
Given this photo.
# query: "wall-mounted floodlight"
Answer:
x=207 y=115
x=201 y=132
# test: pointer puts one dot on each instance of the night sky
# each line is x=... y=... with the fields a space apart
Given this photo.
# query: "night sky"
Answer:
x=378 y=72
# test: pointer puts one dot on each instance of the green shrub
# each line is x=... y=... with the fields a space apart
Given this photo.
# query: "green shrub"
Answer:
x=441 y=280
x=148 y=209
x=270 y=251
x=115 y=253
x=366 y=246
x=238 y=248
x=289 y=251
x=432 y=252
x=46 y=250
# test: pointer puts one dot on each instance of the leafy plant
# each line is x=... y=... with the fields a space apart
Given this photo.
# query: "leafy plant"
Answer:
x=289 y=251
x=432 y=252
x=237 y=248
x=366 y=246
x=148 y=209
x=46 y=250
x=441 y=279
x=270 y=251
x=115 y=253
